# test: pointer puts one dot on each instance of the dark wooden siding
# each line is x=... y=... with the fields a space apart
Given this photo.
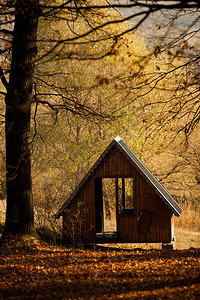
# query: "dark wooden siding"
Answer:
x=114 y=165
x=148 y=207
x=85 y=222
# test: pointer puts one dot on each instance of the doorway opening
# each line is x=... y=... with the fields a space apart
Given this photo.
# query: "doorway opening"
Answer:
x=109 y=205
x=113 y=196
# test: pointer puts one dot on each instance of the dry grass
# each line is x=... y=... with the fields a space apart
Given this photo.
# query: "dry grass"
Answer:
x=189 y=219
x=187 y=228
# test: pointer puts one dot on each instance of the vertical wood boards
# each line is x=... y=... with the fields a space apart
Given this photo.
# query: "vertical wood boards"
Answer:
x=151 y=220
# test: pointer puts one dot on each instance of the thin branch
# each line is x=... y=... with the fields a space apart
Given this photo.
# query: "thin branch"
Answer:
x=3 y=78
x=6 y=31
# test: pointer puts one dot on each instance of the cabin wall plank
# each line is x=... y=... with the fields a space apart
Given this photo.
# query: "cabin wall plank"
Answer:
x=117 y=165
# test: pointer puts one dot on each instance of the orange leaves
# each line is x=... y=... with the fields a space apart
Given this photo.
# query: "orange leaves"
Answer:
x=6 y=46
x=160 y=149
x=56 y=35
x=39 y=271
x=157 y=26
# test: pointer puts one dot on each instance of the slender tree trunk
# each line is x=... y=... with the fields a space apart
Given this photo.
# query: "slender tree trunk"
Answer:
x=19 y=214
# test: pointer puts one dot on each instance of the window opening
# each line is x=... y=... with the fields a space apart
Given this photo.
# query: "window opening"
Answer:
x=125 y=195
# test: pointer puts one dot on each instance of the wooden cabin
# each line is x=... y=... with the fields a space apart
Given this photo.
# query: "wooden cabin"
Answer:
x=119 y=200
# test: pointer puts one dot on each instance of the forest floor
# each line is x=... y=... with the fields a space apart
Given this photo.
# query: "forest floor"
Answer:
x=30 y=269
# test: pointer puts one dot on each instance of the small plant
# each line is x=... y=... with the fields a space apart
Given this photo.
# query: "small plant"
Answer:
x=75 y=224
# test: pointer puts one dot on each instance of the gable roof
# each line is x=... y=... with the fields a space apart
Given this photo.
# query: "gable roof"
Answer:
x=144 y=171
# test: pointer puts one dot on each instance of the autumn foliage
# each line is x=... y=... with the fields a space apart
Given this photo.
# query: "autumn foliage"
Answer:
x=31 y=270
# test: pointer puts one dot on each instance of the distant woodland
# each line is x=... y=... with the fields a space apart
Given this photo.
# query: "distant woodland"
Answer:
x=96 y=76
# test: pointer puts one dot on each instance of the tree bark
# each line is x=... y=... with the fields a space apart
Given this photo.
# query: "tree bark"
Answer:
x=19 y=214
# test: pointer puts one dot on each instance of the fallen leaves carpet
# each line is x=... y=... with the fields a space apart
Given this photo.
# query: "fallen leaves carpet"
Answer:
x=31 y=270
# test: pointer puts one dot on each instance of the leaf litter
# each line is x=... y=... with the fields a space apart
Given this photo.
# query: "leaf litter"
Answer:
x=30 y=269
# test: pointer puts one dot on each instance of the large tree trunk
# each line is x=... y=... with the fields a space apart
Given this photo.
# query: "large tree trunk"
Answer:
x=19 y=214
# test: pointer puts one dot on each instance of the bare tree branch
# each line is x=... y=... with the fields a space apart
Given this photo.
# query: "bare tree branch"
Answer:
x=3 y=78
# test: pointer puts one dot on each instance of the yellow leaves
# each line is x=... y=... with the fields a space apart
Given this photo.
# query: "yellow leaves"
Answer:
x=160 y=149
